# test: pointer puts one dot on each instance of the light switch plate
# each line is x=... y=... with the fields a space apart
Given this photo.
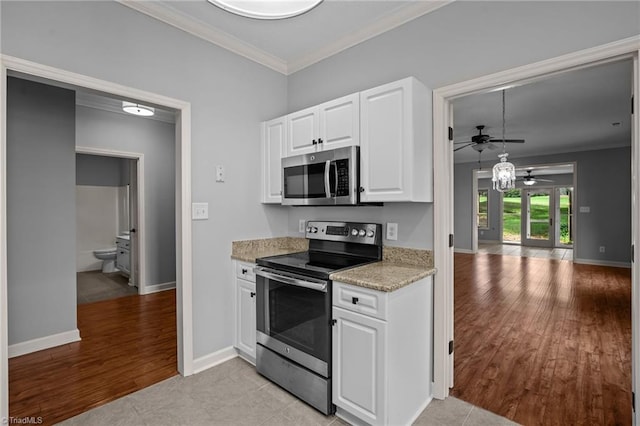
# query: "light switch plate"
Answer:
x=200 y=211
x=392 y=231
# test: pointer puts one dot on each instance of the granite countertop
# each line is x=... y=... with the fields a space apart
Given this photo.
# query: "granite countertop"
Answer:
x=250 y=250
x=399 y=268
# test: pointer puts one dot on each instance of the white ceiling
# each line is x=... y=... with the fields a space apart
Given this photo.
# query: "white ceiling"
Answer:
x=569 y=112
x=288 y=45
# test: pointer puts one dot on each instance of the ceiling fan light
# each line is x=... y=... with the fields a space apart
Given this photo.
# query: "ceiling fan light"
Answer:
x=137 y=109
x=266 y=9
x=529 y=182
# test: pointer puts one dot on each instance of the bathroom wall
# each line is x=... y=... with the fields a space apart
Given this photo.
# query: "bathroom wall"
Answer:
x=102 y=208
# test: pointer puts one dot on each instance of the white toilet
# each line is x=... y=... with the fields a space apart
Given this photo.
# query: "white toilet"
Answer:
x=108 y=257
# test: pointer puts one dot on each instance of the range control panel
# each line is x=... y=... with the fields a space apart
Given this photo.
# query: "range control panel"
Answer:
x=365 y=233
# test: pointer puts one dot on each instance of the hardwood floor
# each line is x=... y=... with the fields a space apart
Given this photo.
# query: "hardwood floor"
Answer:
x=543 y=342
x=127 y=344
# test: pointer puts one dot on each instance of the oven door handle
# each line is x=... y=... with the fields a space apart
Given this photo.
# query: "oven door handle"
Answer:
x=266 y=273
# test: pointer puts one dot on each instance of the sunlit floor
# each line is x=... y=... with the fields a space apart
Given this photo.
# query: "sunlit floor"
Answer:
x=525 y=251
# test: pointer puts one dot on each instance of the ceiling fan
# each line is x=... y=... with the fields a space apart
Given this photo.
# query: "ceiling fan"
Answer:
x=529 y=179
x=481 y=141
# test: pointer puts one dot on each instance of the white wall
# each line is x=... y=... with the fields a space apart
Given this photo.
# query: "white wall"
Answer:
x=96 y=223
x=229 y=97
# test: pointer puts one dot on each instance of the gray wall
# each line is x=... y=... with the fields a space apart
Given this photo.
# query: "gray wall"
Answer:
x=493 y=233
x=512 y=34
x=603 y=184
x=156 y=140
x=96 y=170
x=41 y=225
x=229 y=97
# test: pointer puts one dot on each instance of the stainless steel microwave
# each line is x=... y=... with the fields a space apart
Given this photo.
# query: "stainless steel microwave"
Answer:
x=322 y=178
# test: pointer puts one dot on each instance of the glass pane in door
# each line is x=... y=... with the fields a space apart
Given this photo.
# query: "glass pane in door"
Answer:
x=511 y=216
x=538 y=214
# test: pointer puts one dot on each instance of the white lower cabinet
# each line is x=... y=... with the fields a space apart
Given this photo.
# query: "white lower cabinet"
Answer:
x=381 y=369
x=245 y=316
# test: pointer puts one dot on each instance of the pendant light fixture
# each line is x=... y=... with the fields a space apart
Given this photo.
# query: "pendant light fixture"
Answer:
x=504 y=172
x=137 y=109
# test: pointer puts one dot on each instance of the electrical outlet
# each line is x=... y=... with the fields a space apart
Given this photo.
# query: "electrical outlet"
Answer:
x=392 y=231
x=219 y=174
x=602 y=248
x=302 y=226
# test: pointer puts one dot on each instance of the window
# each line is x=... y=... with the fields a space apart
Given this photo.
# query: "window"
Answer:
x=483 y=209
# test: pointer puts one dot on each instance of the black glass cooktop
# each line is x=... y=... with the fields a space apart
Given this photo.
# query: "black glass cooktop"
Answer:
x=313 y=264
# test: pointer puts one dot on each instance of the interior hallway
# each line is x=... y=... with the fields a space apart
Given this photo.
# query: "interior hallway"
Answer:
x=543 y=341
x=127 y=344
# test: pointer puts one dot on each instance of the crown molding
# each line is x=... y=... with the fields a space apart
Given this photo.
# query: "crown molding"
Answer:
x=391 y=20
x=177 y=19
x=220 y=38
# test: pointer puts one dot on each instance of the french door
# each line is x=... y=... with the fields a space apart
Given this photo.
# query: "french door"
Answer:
x=537 y=213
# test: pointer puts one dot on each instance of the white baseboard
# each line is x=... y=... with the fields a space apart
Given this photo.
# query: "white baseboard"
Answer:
x=159 y=287
x=46 y=342
x=461 y=250
x=603 y=263
x=213 y=359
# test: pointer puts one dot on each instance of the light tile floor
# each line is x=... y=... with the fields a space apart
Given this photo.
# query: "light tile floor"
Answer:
x=233 y=393
x=525 y=251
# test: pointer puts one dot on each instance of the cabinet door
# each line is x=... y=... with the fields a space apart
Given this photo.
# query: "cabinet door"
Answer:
x=340 y=122
x=274 y=136
x=302 y=131
x=385 y=127
x=246 y=317
x=359 y=365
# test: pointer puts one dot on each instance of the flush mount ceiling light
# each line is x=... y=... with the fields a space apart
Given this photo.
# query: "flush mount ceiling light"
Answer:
x=137 y=109
x=266 y=9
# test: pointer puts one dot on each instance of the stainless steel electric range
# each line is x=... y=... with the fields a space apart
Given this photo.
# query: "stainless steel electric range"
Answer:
x=294 y=307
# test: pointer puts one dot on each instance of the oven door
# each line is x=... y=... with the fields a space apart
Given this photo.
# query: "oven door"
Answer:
x=293 y=317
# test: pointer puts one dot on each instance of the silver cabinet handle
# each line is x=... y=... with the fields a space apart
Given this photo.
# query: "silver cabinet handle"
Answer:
x=309 y=283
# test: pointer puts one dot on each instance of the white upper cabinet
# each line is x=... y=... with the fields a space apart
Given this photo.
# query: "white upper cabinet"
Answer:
x=274 y=137
x=396 y=143
x=303 y=127
x=333 y=124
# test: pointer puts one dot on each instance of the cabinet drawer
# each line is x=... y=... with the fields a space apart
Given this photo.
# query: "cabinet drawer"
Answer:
x=244 y=270
x=360 y=299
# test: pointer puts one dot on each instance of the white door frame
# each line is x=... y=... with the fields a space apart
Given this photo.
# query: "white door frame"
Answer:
x=183 y=208
x=443 y=193
x=141 y=247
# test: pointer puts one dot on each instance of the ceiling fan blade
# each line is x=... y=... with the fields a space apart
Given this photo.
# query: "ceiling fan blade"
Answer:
x=544 y=180
x=507 y=140
x=457 y=143
x=458 y=149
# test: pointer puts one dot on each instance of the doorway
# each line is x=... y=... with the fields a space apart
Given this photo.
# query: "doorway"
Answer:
x=443 y=187
x=19 y=67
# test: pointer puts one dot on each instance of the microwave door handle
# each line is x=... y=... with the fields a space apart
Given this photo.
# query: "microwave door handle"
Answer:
x=327 y=168
x=335 y=189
